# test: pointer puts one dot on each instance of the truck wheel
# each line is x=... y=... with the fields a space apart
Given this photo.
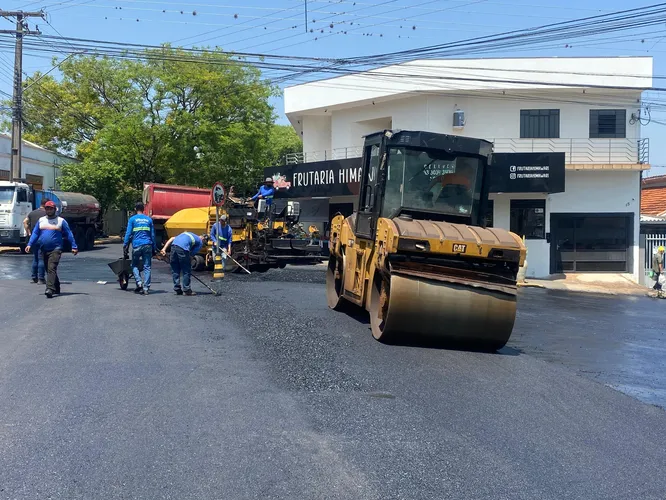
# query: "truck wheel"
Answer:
x=90 y=238
x=80 y=237
x=198 y=263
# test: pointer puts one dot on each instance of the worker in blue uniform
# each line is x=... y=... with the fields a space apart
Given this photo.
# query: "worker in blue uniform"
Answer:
x=266 y=192
x=221 y=236
x=141 y=233
x=50 y=233
x=185 y=245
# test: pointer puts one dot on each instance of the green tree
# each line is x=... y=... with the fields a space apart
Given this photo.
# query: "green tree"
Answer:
x=171 y=116
x=284 y=140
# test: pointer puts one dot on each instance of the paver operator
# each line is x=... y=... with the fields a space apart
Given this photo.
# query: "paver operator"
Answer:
x=266 y=192
x=141 y=233
x=185 y=245
x=658 y=268
x=29 y=223
x=221 y=235
x=48 y=234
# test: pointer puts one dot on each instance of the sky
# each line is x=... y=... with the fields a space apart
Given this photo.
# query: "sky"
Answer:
x=340 y=29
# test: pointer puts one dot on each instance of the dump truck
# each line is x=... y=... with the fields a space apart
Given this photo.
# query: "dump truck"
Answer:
x=262 y=237
x=18 y=199
x=162 y=201
x=416 y=254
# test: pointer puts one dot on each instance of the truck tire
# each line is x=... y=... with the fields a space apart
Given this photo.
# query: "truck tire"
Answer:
x=80 y=238
x=198 y=263
x=90 y=238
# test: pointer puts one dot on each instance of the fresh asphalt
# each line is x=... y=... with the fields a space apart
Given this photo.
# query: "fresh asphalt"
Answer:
x=263 y=392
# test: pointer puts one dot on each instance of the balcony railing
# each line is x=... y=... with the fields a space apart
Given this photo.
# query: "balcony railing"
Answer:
x=577 y=151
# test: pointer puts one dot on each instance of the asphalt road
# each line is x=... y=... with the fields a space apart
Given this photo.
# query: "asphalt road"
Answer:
x=263 y=392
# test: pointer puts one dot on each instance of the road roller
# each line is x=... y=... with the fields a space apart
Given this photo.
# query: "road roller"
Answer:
x=417 y=254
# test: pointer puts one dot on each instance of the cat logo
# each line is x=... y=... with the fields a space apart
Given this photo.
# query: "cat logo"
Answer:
x=459 y=248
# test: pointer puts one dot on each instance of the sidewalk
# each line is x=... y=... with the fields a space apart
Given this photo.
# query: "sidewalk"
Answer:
x=609 y=284
x=102 y=241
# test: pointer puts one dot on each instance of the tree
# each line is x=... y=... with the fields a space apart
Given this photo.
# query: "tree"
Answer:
x=171 y=116
x=284 y=140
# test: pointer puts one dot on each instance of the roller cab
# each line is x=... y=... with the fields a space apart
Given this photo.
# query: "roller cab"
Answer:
x=416 y=254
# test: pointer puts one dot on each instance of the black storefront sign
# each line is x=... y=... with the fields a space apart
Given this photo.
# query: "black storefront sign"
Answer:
x=323 y=178
x=509 y=173
x=527 y=173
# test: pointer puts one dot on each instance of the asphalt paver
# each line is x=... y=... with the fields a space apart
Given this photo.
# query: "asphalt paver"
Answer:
x=263 y=392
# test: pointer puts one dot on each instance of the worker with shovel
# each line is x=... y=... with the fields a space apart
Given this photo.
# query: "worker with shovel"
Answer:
x=221 y=235
x=185 y=245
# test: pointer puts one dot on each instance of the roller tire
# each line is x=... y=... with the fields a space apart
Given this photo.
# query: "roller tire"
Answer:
x=335 y=287
x=198 y=263
x=377 y=324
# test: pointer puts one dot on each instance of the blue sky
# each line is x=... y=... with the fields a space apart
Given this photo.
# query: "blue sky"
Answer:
x=278 y=27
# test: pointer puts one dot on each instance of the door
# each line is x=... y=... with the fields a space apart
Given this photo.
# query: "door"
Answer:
x=369 y=197
x=23 y=207
x=591 y=242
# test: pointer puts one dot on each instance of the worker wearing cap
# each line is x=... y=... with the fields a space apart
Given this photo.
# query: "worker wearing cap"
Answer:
x=29 y=223
x=266 y=192
x=185 y=245
x=221 y=235
x=50 y=233
x=141 y=233
x=658 y=268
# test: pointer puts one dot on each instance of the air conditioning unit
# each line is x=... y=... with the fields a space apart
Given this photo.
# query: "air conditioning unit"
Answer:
x=458 y=118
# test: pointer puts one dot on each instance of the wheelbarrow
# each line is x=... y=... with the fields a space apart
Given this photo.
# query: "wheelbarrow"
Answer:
x=122 y=268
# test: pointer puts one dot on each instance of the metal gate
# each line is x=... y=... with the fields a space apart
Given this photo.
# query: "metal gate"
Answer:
x=649 y=245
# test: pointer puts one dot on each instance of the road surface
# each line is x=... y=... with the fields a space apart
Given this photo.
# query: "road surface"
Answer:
x=263 y=392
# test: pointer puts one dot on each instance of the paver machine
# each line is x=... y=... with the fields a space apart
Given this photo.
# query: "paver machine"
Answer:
x=416 y=254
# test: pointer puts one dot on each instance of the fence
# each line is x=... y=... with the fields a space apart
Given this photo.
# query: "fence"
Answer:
x=577 y=151
x=649 y=244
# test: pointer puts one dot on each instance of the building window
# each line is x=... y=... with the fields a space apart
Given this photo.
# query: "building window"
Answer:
x=528 y=218
x=488 y=216
x=608 y=123
x=539 y=123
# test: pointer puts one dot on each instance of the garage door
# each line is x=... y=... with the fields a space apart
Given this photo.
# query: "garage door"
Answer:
x=591 y=242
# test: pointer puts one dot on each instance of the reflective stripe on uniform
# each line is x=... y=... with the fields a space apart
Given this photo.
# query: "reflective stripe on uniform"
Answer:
x=142 y=228
x=191 y=238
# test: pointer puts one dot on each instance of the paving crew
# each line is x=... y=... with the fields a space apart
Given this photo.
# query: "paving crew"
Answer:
x=266 y=192
x=185 y=245
x=29 y=223
x=141 y=233
x=221 y=235
x=49 y=233
x=658 y=269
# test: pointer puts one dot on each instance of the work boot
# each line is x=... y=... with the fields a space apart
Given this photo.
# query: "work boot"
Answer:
x=189 y=293
x=146 y=291
x=49 y=294
x=178 y=291
x=42 y=281
x=138 y=289
x=34 y=280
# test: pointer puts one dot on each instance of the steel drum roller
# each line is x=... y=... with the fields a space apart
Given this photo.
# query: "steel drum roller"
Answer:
x=444 y=310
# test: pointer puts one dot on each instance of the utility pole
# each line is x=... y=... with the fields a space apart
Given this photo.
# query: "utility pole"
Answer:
x=17 y=108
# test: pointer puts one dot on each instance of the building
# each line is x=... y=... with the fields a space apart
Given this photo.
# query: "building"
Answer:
x=653 y=196
x=39 y=166
x=588 y=109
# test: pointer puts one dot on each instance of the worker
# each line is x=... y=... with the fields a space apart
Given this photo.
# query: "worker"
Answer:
x=29 y=223
x=266 y=192
x=221 y=236
x=658 y=269
x=185 y=245
x=141 y=233
x=49 y=233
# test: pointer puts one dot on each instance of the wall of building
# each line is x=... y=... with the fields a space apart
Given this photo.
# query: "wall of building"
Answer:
x=35 y=161
x=586 y=192
x=316 y=133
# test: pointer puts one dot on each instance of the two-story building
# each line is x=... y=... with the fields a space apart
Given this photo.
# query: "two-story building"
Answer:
x=590 y=109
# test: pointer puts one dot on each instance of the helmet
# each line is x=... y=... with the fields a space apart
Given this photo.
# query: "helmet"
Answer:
x=269 y=179
x=660 y=249
x=50 y=204
x=223 y=217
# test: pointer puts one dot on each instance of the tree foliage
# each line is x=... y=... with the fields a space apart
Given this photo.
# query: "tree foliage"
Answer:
x=170 y=117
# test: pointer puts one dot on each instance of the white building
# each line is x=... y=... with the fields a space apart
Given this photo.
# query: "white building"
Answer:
x=39 y=166
x=588 y=108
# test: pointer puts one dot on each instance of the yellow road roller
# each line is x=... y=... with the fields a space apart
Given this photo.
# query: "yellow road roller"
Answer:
x=416 y=254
